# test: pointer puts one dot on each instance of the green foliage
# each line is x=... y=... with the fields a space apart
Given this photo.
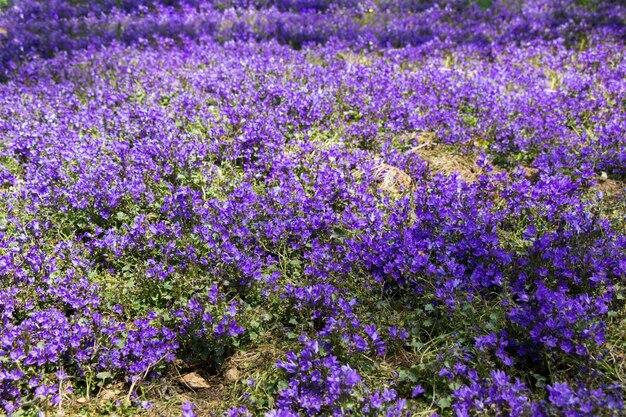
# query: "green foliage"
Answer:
x=484 y=4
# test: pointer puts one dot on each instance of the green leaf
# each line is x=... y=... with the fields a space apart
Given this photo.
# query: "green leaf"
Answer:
x=444 y=402
x=104 y=375
x=416 y=344
x=484 y=4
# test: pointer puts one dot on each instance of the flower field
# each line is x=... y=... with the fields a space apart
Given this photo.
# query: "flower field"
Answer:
x=312 y=208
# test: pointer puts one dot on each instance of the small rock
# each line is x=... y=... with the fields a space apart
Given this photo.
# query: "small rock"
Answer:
x=232 y=375
x=194 y=381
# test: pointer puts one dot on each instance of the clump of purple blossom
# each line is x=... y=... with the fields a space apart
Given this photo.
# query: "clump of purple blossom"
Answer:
x=419 y=206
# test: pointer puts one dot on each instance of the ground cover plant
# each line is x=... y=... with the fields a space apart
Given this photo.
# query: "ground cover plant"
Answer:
x=298 y=208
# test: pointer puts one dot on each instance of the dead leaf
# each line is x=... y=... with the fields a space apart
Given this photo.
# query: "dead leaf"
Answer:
x=194 y=381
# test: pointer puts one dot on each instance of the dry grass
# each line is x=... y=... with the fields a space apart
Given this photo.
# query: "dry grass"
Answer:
x=440 y=159
x=444 y=159
x=243 y=364
x=612 y=205
x=170 y=393
x=391 y=179
x=610 y=187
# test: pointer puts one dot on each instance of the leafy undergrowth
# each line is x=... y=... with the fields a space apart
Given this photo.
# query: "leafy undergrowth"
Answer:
x=312 y=208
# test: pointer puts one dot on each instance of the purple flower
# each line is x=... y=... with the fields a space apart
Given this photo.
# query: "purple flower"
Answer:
x=188 y=408
x=417 y=391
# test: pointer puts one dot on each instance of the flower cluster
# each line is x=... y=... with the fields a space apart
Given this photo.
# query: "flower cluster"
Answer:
x=418 y=204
